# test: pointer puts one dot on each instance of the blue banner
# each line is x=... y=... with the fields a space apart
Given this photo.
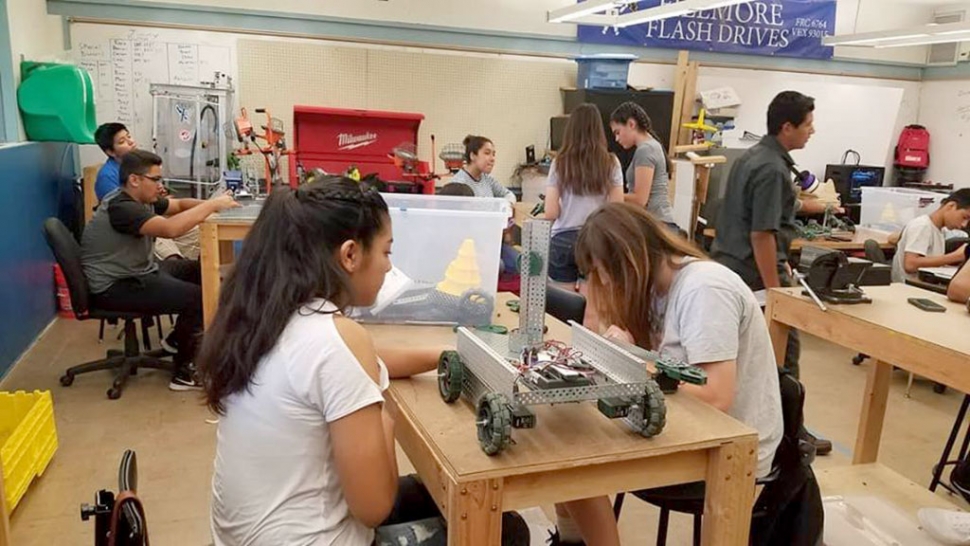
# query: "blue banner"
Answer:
x=791 y=28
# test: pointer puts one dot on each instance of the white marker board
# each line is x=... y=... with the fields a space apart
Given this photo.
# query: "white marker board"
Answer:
x=124 y=61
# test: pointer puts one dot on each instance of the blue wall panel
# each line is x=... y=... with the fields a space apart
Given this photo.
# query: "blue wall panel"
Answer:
x=35 y=183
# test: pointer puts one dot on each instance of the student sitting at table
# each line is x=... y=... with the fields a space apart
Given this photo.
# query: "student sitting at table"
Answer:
x=922 y=243
x=305 y=446
x=477 y=171
x=121 y=269
x=660 y=293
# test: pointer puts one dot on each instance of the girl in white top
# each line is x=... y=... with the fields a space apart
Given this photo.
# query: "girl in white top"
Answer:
x=305 y=447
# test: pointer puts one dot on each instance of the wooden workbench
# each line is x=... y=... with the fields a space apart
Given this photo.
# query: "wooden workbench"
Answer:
x=892 y=332
x=574 y=452
x=857 y=244
x=216 y=237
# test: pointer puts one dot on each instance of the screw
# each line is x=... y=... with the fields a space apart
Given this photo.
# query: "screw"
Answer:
x=464 y=490
x=494 y=508
x=464 y=516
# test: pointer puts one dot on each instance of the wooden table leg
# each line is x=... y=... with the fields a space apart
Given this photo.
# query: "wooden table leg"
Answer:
x=475 y=513
x=729 y=498
x=209 y=261
x=873 y=413
x=778 y=333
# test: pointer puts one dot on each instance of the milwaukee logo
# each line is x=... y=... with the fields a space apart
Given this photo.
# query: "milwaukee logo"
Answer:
x=347 y=141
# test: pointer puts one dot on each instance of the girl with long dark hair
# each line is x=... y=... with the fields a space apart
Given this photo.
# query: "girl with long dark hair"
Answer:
x=648 y=175
x=305 y=446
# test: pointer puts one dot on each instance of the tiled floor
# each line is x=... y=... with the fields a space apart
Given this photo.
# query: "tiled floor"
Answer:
x=175 y=443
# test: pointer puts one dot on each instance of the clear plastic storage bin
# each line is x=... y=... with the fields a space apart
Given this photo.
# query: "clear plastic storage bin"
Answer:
x=446 y=255
x=893 y=208
x=603 y=71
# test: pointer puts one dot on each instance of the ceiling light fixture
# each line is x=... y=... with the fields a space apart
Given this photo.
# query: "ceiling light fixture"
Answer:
x=587 y=13
x=922 y=35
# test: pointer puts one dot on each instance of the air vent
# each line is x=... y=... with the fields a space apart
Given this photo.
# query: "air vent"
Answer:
x=947 y=54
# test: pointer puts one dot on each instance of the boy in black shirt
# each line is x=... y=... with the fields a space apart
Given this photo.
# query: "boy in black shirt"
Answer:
x=117 y=253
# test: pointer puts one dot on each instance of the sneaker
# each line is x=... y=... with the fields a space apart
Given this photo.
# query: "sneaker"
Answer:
x=946 y=526
x=169 y=345
x=185 y=380
x=554 y=540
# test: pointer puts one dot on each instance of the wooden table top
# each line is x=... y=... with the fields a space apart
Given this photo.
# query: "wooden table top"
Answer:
x=569 y=435
x=859 y=239
x=890 y=310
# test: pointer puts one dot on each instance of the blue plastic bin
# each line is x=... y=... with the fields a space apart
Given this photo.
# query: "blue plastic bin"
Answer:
x=603 y=71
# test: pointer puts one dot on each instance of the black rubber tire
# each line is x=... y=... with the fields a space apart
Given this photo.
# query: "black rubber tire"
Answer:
x=451 y=374
x=114 y=393
x=654 y=410
x=494 y=423
x=67 y=380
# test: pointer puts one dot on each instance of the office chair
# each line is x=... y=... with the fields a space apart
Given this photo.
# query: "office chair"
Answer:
x=125 y=364
x=565 y=305
x=794 y=454
x=122 y=516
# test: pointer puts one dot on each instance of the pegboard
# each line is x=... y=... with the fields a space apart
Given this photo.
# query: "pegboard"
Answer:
x=509 y=99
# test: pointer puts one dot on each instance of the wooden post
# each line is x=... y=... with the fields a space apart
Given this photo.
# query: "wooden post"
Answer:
x=687 y=107
x=680 y=80
x=730 y=492
x=475 y=513
x=90 y=197
x=873 y=413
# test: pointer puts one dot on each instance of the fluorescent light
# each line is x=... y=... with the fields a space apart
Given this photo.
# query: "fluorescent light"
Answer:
x=586 y=12
x=933 y=33
x=667 y=11
x=589 y=7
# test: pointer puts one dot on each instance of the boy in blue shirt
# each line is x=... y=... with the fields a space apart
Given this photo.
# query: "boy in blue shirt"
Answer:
x=115 y=141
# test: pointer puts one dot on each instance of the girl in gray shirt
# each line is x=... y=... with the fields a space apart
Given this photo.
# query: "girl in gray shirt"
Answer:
x=477 y=172
x=648 y=173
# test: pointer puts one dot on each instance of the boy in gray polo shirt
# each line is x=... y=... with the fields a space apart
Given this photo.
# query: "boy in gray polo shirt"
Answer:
x=119 y=261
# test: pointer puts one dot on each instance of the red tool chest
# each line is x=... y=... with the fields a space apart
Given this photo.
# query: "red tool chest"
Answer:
x=333 y=139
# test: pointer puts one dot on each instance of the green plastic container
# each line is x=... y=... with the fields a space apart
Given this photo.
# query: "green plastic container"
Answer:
x=56 y=102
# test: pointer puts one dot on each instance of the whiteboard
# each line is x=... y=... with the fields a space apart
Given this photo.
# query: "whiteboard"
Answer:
x=124 y=61
x=945 y=112
x=864 y=114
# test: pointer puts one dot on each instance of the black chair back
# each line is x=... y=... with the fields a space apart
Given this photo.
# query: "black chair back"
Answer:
x=874 y=252
x=67 y=252
x=955 y=243
x=565 y=305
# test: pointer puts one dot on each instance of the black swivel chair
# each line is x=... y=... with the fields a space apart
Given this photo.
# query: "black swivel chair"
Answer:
x=125 y=364
x=565 y=305
x=131 y=526
x=790 y=470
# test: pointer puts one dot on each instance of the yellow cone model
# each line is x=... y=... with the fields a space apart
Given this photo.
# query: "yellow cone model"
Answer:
x=462 y=273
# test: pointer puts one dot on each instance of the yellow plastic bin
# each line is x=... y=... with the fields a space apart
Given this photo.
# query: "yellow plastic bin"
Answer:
x=28 y=440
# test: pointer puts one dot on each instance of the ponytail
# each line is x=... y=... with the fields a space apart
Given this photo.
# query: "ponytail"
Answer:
x=631 y=110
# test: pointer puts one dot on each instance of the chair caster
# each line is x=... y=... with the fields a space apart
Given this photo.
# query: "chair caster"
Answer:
x=858 y=359
x=939 y=388
x=114 y=393
x=67 y=380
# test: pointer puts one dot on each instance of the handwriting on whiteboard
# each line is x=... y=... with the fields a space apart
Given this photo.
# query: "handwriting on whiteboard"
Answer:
x=963 y=105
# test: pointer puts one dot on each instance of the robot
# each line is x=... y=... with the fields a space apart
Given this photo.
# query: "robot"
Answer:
x=504 y=375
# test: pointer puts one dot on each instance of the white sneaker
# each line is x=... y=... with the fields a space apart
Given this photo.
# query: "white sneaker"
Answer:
x=947 y=526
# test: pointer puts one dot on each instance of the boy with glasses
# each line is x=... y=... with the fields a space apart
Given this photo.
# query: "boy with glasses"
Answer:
x=119 y=263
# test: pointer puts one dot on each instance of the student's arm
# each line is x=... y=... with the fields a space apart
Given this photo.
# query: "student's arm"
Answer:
x=498 y=190
x=814 y=206
x=180 y=224
x=708 y=323
x=722 y=378
x=404 y=362
x=363 y=442
x=959 y=289
x=912 y=261
x=616 y=189
x=552 y=203
x=176 y=206
x=765 y=249
x=642 y=186
x=766 y=192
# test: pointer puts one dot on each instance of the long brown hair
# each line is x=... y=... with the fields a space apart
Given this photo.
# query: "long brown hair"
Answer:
x=288 y=259
x=624 y=241
x=585 y=164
